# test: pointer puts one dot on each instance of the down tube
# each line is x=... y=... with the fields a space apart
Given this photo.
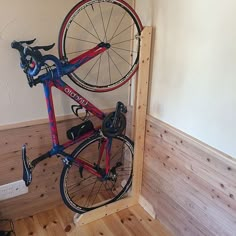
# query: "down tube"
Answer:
x=65 y=88
x=51 y=114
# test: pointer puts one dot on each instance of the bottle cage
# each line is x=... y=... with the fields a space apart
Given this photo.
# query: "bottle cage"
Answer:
x=75 y=109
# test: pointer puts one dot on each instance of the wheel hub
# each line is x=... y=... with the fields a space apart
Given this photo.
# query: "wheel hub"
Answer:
x=104 y=45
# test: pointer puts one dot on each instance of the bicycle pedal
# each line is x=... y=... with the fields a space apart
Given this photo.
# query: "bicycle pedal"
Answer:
x=27 y=170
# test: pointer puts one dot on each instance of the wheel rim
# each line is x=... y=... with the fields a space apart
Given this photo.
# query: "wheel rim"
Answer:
x=95 y=22
x=90 y=192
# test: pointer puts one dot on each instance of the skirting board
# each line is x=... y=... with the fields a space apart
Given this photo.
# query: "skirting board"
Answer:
x=44 y=121
x=147 y=206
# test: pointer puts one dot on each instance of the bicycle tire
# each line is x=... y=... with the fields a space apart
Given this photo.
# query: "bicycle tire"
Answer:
x=98 y=21
x=82 y=194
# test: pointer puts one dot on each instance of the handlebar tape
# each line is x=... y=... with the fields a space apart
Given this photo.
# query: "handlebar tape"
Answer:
x=28 y=51
x=18 y=46
x=36 y=55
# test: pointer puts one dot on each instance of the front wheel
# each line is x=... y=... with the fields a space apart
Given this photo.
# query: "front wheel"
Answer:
x=92 y=22
x=83 y=190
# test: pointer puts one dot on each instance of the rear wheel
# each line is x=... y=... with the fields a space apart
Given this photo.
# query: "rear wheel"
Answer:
x=82 y=190
x=91 y=22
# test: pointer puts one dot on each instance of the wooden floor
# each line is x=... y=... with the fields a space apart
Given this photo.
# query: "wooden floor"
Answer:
x=58 y=222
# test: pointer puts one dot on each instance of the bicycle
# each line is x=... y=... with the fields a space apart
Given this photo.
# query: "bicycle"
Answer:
x=87 y=180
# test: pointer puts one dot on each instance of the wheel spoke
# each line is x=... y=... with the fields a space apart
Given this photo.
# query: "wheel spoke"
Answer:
x=115 y=64
x=92 y=67
x=71 y=187
x=86 y=30
x=118 y=26
x=115 y=154
x=82 y=40
x=76 y=184
x=125 y=41
x=97 y=193
x=87 y=202
x=103 y=22
x=108 y=23
x=86 y=190
x=92 y=25
x=127 y=50
x=110 y=190
x=109 y=63
x=121 y=32
x=121 y=56
x=99 y=68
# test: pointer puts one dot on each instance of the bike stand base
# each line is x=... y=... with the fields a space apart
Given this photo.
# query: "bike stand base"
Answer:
x=88 y=217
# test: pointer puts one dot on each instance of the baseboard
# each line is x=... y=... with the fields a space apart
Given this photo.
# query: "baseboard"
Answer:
x=147 y=206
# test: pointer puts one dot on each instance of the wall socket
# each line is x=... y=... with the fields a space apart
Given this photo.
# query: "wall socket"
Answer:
x=12 y=190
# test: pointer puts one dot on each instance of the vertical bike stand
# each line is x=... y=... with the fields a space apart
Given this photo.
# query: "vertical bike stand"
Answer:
x=140 y=110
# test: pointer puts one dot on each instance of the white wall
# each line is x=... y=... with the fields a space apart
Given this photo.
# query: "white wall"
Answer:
x=194 y=67
x=27 y=19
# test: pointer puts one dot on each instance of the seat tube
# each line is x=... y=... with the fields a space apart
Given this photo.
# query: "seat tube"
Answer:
x=51 y=114
x=108 y=154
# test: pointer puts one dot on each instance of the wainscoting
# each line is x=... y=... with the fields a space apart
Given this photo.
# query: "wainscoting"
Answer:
x=44 y=191
x=190 y=187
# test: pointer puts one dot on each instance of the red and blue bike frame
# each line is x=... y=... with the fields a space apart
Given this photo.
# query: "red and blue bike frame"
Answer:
x=53 y=79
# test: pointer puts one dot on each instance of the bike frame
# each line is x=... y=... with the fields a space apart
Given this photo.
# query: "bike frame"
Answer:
x=70 y=92
x=52 y=79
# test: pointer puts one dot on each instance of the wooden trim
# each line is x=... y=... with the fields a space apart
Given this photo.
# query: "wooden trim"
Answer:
x=34 y=122
x=147 y=206
x=44 y=121
x=205 y=147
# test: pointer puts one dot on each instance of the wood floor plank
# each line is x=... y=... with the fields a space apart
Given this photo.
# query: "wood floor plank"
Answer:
x=154 y=227
x=115 y=224
x=50 y=223
x=133 y=221
x=65 y=216
x=20 y=227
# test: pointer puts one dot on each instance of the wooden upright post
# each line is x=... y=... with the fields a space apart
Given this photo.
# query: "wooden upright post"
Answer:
x=140 y=110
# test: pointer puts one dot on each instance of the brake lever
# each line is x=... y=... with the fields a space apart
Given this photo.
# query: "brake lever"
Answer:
x=30 y=80
x=28 y=41
x=45 y=48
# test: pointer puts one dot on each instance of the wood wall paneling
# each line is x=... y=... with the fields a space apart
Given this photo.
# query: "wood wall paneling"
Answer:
x=190 y=185
x=44 y=190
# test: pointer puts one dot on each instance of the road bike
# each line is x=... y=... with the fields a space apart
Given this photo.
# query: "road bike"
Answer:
x=99 y=170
